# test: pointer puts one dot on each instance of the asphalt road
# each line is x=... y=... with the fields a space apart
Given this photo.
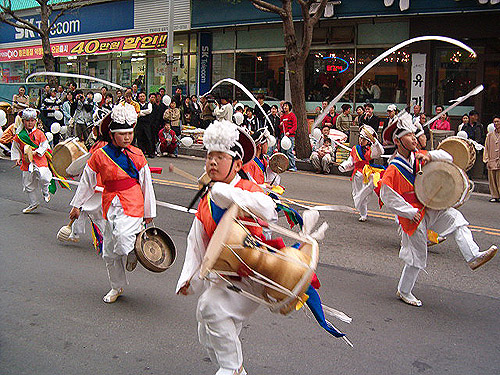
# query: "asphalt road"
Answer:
x=53 y=320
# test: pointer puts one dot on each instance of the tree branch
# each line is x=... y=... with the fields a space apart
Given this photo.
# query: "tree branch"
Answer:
x=23 y=24
x=268 y=7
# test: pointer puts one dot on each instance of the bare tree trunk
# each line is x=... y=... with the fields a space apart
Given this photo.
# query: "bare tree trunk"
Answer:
x=297 y=88
x=48 y=59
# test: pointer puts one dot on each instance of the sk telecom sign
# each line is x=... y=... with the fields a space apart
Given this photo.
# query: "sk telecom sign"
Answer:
x=88 y=47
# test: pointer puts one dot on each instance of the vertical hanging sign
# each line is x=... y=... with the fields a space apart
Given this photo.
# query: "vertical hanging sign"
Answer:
x=205 y=63
x=418 y=78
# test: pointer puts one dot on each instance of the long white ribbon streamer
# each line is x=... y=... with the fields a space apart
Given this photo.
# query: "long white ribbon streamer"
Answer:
x=382 y=56
x=72 y=75
x=457 y=101
x=245 y=90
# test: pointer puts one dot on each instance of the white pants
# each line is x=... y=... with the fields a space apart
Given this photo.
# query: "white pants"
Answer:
x=361 y=193
x=221 y=314
x=119 y=236
x=322 y=164
x=39 y=178
x=414 y=248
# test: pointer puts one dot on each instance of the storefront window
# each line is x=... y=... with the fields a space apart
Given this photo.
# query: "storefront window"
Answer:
x=327 y=73
x=222 y=66
x=261 y=73
x=387 y=81
x=455 y=75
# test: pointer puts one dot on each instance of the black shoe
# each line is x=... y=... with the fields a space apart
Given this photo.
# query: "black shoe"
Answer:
x=495 y=200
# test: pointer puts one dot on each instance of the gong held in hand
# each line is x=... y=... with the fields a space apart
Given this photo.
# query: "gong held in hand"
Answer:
x=155 y=249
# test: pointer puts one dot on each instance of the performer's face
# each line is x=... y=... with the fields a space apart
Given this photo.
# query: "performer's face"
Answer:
x=264 y=147
x=363 y=142
x=124 y=139
x=30 y=123
x=406 y=142
x=422 y=141
x=218 y=166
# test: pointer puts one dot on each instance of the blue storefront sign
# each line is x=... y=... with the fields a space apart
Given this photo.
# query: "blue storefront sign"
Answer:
x=205 y=63
x=98 y=18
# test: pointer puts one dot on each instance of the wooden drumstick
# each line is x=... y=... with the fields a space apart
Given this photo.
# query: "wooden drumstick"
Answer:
x=182 y=173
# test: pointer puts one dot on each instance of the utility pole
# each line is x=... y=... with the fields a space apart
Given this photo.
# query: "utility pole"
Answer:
x=169 y=60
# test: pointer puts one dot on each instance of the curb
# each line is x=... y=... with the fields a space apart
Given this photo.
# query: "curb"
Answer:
x=480 y=186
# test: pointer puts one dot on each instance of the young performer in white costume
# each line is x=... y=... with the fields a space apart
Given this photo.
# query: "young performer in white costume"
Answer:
x=30 y=142
x=220 y=311
x=128 y=198
x=398 y=194
x=258 y=169
x=359 y=162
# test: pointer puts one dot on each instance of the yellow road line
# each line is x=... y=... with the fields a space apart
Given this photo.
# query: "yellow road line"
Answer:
x=377 y=214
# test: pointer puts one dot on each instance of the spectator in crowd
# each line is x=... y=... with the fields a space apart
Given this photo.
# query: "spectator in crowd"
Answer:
x=368 y=118
x=178 y=97
x=61 y=94
x=491 y=157
x=135 y=92
x=156 y=122
x=104 y=92
x=161 y=90
x=168 y=140
x=72 y=88
x=160 y=111
x=238 y=116
x=359 y=112
x=465 y=122
x=288 y=127
x=439 y=109
x=475 y=129
x=251 y=122
x=108 y=102
x=173 y=115
x=344 y=120
x=128 y=98
x=207 y=112
x=224 y=110
x=323 y=153
x=195 y=110
x=142 y=130
x=330 y=118
x=20 y=100
x=119 y=96
x=274 y=128
x=68 y=109
x=441 y=123
x=83 y=114
x=391 y=119
x=50 y=105
x=416 y=113
x=258 y=113
x=324 y=104
x=422 y=121
x=186 y=111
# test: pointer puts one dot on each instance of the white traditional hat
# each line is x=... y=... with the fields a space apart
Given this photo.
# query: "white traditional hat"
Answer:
x=29 y=113
x=391 y=107
x=368 y=133
x=123 y=118
x=404 y=126
x=224 y=136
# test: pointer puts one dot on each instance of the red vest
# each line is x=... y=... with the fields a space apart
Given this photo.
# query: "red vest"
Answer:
x=253 y=169
x=37 y=136
x=131 y=198
x=401 y=185
x=359 y=163
x=204 y=213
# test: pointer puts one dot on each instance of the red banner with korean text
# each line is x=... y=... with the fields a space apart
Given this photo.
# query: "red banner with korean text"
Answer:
x=151 y=41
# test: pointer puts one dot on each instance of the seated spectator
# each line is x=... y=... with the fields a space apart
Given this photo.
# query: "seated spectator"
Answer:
x=168 y=140
x=330 y=118
x=323 y=153
x=441 y=123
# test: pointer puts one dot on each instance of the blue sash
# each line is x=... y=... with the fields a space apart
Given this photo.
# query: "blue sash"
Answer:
x=260 y=164
x=122 y=160
x=405 y=169
x=215 y=210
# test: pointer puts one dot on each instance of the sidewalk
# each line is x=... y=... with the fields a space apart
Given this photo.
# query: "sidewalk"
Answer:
x=480 y=186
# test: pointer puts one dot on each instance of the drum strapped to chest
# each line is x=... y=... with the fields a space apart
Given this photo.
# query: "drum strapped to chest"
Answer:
x=68 y=152
x=278 y=163
x=155 y=249
x=285 y=274
x=462 y=150
x=28 y=154
x=442 y=185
